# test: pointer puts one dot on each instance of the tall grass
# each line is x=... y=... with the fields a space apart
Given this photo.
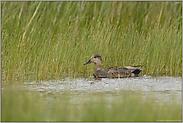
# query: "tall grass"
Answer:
x=125 y=106
x=51 y=39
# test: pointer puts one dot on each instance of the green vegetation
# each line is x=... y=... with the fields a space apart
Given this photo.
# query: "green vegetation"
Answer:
x=124 y=106
x=50 y=40
x=41 y=40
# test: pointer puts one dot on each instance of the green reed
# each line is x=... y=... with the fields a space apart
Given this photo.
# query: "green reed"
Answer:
x=54 y=39
x=55 y=107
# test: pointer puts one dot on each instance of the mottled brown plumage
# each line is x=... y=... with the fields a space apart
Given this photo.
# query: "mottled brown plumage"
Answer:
x=112 y=72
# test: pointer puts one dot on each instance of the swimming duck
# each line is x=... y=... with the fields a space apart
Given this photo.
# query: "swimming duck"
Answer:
x=112 y=72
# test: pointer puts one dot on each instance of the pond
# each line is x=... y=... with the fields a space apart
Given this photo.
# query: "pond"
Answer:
x=160 y=86
x=144 y=98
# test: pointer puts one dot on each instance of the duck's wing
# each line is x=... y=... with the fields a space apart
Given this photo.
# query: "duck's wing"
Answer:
x=117 y=72
x=135 y=69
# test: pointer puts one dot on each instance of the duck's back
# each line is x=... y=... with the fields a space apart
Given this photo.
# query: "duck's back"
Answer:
x=113 y=72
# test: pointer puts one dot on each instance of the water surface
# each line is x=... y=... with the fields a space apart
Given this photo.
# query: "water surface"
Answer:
x=161 y=87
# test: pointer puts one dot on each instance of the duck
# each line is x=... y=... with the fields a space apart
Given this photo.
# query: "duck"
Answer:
x=112 y=72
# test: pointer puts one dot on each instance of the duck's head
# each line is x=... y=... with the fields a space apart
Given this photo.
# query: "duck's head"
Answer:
x=96 y=59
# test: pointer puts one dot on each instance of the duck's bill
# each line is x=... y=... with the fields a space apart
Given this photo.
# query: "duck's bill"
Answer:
x=88 y=62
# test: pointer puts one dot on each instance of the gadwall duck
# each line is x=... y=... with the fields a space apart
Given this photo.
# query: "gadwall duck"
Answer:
x=112 y=72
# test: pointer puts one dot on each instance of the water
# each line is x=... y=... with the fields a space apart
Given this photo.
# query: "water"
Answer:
x=161 y=87
x=76 y=99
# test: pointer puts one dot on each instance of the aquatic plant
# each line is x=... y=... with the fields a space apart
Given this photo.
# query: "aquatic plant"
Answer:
x=42 y=40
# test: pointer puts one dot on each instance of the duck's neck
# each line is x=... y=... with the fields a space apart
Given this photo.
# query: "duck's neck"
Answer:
x=98 y=66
